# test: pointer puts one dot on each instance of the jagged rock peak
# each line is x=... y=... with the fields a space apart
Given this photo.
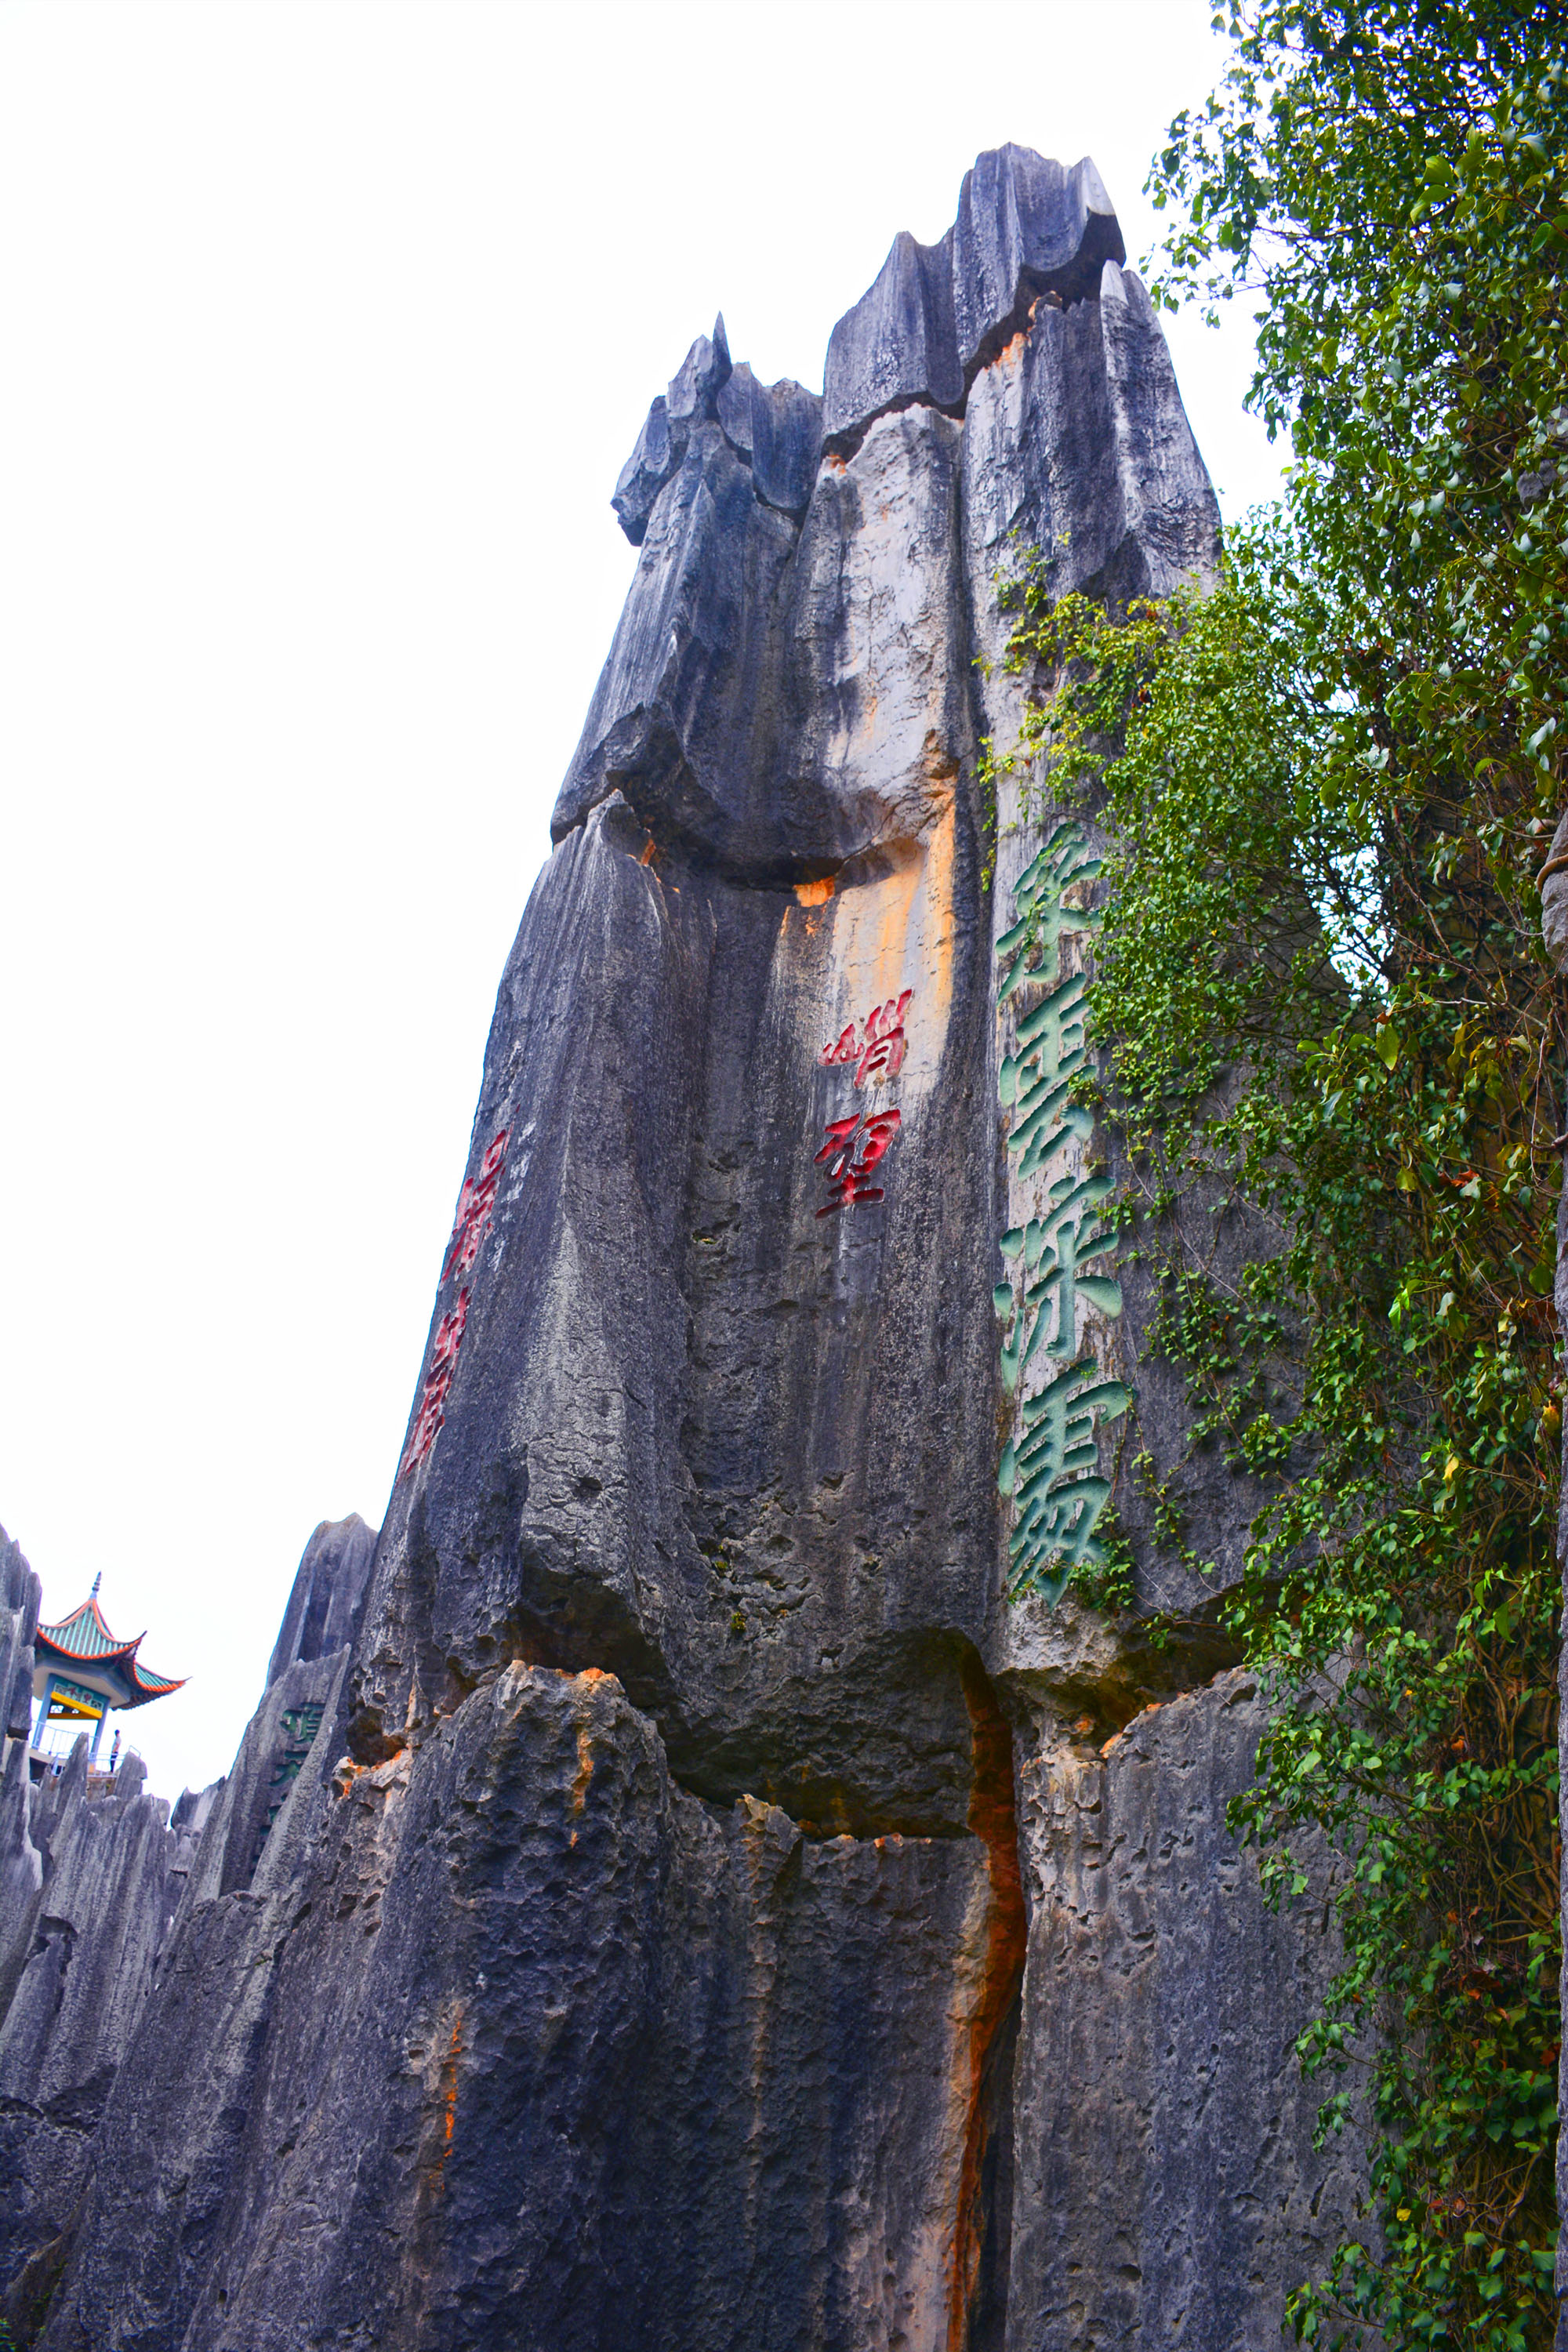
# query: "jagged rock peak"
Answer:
x=1028 y=228
x=329 y=1584
x=776 y=428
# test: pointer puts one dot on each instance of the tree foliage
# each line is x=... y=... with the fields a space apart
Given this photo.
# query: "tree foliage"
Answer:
x=1334 y=778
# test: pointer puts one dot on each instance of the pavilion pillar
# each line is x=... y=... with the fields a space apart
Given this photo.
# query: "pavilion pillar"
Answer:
x=43 y=1716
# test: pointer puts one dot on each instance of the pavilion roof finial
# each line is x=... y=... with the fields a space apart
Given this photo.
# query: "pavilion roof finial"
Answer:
x=97 y=1581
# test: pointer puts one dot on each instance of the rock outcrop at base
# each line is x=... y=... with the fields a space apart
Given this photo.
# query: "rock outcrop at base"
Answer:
x=94 y=1873
x=706 y=1910
x=90 y=1879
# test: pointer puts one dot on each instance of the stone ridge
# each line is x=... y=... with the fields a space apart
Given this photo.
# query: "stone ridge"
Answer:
x=1028 y=228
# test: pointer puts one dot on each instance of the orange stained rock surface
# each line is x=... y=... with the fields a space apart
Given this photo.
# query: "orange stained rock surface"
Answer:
x=584 y=1773
x=435 y=2163
x=894 y=933
x=450 y=2075
x=993 y=1820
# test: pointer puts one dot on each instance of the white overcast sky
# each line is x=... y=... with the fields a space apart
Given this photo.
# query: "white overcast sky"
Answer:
x=328 y=325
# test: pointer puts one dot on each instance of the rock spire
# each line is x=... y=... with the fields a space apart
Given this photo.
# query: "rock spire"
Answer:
x=705 y=1910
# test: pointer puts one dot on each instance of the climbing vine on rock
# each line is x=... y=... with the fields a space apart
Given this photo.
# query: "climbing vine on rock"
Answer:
x=1330 y=782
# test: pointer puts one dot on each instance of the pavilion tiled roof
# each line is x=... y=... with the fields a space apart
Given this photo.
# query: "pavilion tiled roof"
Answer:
x=153 y=1686
x=84 y=1636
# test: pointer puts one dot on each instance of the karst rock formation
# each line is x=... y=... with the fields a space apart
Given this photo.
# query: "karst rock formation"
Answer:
x=670 y=1899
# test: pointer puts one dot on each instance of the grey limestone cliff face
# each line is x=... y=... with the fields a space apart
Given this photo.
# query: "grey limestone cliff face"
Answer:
x=104 y=1905
x=706 y=1911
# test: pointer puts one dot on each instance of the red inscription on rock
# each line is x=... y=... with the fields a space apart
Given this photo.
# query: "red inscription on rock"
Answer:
x=853 y=1147
x=876 y=1048
x=475 y=1209
x=432 y=1410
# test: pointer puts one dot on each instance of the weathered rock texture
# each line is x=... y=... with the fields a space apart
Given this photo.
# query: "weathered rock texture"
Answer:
x=707 y=1914
x=1136 y=1886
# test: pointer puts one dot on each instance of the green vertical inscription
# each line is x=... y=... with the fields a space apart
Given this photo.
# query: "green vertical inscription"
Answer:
x=1050 y=1468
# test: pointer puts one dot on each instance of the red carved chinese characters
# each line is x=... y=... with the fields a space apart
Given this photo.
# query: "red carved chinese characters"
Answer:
x=476 y=1208
x=853 y=1147
x=476 y=1213
x=432 y=1410
x=876 y=1049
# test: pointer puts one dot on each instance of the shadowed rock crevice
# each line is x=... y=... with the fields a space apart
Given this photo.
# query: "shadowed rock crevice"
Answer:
x=1105 y=1685
x=671 y=823
x=978 y=2292
x=887 y=1744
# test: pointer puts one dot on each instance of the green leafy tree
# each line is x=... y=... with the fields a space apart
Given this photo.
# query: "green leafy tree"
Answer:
x=1333 y=779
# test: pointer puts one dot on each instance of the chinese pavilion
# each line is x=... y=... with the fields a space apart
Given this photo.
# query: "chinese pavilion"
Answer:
x=80 y=1672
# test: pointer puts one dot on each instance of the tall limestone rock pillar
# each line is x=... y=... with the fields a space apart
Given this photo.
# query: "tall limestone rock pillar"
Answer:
x=713 y=1916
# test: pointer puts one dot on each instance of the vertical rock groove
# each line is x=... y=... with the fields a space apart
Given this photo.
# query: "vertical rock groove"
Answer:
x=993 y=1818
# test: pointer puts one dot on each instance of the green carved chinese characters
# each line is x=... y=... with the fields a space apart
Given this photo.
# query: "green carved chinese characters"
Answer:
x=1050 y=1466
